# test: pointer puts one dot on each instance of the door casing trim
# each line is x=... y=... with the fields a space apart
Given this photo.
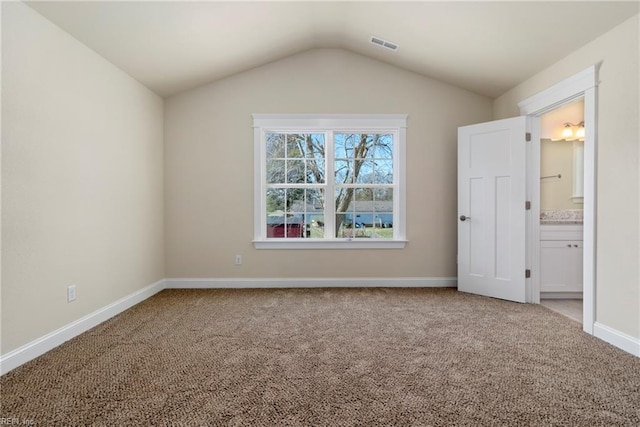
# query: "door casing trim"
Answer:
x=581 y=85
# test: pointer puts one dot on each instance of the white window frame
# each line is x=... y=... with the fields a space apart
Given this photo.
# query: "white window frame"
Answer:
x=329 y=123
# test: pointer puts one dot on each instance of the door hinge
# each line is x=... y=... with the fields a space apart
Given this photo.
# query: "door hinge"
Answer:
x=527 y=205
x=527 y=136
x=527 y=274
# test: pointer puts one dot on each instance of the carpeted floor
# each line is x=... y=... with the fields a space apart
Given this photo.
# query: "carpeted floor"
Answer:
x=328 y=357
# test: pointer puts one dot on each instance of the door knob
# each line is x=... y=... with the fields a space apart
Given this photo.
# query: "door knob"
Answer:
x=464 y=218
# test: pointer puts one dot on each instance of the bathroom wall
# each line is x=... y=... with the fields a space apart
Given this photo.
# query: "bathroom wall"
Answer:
x=556 y=158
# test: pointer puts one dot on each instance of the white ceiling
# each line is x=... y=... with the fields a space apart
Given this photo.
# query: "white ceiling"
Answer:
x=485 y=47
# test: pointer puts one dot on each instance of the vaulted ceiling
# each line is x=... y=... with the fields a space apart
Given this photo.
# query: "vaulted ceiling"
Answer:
x=485 y=47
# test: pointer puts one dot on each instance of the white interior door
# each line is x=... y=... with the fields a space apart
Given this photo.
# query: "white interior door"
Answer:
x=491 y=208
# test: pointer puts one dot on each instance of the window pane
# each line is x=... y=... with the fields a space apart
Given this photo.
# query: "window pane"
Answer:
x=363 y=200
x=275 y=171
x=364 y=212
x=364 y=220
x=364 y=209
x=275 y=201
x=295 y=171
x=344 y=199
x=295 y=212
x=276 y=198
x=314 y=152
x=275 y=145
x=285 y=226
x=343 y=146
x=359 y=156
x=315 y=171
x=307 y=216
x=383 y=197
x=305 y=200
x=344 y=212
x=363 y=171
x=295 y=200
x=373 y=146
x=383 y=220
x=344 y=225
x=294 y=219
x=281 y=222
x=383 y=225
x=314 y=219
x=315 y=226
x=383 y=172
x=343 y=171
x=381 y=146
x=315 y=200
x=363 y=145
x=315 y=146
x=353 y=225
x=295 y=145
x=295 y=226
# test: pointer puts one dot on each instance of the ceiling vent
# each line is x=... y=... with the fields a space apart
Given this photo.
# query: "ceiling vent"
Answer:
x=384 y=43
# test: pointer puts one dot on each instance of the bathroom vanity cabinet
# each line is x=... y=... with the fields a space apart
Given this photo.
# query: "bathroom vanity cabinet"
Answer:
x=561 y=261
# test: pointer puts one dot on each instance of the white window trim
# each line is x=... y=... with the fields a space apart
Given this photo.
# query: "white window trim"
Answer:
x=330 y=122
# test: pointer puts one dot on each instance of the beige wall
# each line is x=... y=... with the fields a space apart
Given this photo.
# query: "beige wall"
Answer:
x=209 y=166
x=556 y=157
x=618 y=201
x=82 y=179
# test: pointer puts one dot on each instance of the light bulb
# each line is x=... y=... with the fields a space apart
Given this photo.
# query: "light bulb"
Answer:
x=567 y=132
x=580 y=133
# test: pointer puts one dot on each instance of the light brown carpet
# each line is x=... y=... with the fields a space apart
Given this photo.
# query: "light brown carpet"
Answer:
x=328 y=357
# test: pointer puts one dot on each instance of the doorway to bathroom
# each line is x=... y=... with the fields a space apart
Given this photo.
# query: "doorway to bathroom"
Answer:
x=582 y=85
x=562 y=134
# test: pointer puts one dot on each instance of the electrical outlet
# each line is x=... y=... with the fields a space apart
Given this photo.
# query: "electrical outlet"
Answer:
x=71 y=293
x=238 y=259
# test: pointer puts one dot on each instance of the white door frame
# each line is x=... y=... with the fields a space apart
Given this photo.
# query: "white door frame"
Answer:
x=582 y=85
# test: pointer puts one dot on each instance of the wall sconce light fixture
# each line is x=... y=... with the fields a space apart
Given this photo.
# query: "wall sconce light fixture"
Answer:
x=567 y=132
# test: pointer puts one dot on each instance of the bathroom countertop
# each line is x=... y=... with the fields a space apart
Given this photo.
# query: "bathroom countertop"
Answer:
x=561 y=217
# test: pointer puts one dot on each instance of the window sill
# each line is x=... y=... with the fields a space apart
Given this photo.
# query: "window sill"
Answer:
x=330 y=244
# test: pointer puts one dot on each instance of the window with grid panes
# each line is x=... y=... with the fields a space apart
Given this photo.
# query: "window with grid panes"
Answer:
x=329 y=181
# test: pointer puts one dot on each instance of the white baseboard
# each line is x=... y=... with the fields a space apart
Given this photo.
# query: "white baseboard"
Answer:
x=333 y=282
x=617 y=338
x=561 y=295
x=36 y=348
